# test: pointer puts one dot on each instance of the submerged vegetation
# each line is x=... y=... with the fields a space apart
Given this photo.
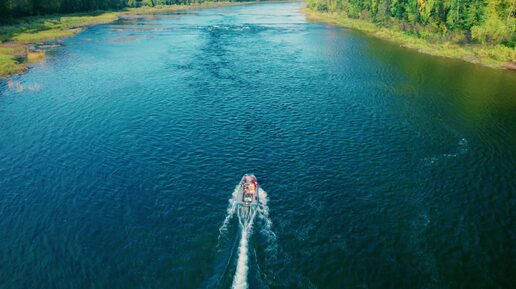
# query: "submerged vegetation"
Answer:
x=479 y=31
x=24 y=23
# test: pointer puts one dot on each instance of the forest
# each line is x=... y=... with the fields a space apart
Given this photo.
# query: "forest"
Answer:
x=19 y=8
x=462 y=21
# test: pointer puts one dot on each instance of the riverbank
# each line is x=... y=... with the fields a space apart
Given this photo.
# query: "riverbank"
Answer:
x=18 y=39
x=500 y=57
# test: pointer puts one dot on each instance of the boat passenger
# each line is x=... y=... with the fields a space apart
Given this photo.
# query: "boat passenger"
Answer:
x=252 y=188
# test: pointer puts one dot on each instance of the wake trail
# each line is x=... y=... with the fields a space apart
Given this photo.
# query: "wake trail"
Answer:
x=242 y=268
x=223 y=239
x=240 y=279
x=229 y=215
x=263 y=210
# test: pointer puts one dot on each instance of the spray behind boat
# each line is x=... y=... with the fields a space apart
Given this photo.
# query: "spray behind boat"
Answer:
x=246 y=208
x=247 y=200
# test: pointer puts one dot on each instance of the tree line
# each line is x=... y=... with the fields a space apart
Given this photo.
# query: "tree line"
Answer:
x=19 y=8
x=483 y=21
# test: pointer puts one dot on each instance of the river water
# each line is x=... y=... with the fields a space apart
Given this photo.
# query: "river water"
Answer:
x=382 y=167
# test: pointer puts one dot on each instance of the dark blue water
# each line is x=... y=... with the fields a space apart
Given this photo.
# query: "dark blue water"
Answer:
x=384 y=168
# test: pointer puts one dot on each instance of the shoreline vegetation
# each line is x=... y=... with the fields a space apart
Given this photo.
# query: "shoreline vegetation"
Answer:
x=483 y=34
x=22 y=40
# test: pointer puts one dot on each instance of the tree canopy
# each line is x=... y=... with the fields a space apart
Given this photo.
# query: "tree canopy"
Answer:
x=483 y=21
x=18 y=8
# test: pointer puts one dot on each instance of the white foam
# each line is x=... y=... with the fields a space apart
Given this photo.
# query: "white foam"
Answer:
x=462 y=149
x=240 y=279
x=263 y=211
x=230 y=212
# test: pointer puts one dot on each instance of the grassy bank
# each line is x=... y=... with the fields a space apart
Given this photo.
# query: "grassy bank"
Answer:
x=492 y=56
x=16 y=52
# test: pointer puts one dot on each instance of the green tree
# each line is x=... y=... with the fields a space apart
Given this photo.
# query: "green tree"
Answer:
x=494 y=29
x=486 y=21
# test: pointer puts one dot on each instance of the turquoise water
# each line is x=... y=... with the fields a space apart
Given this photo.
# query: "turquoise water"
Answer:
x=383 y=168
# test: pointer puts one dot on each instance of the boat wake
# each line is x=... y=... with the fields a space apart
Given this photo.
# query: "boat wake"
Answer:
x=227 y=228
x=240 y=279
x=232 y=206
x=263 y=214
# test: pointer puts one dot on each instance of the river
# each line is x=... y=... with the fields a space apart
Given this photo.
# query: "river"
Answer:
x=383 y=167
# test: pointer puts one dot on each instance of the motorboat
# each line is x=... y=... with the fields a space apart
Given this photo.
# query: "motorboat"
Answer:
x=247 y=200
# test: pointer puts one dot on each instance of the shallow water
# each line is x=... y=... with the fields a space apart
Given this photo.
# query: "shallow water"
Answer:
x=384 y=168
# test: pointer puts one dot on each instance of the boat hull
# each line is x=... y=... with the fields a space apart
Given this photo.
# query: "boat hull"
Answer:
x=247 y=202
